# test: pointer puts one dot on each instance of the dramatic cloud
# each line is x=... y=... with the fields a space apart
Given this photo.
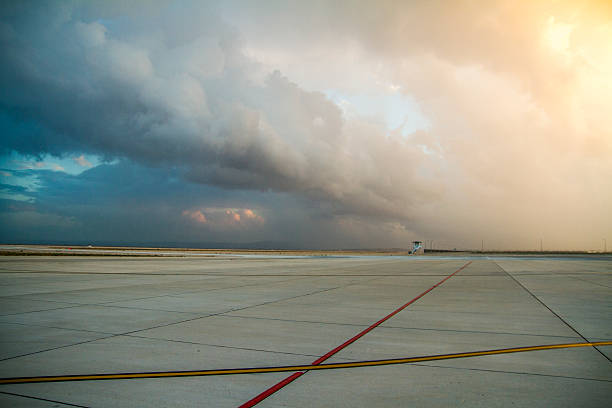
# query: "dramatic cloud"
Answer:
x=270 y=105
x=517 y=96
x=193 y=101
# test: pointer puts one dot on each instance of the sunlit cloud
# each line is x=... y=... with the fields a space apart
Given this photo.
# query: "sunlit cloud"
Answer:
x=38 y=165
x=196 y=215
x=220 y=218
x=82 y=161
x=558 y=35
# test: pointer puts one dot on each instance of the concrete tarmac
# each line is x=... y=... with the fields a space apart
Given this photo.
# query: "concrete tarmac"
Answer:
x=80 y=315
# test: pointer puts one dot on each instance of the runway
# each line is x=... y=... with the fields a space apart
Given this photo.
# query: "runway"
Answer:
x=77 y=315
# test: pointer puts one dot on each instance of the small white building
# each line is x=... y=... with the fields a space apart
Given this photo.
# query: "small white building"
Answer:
x=417 y=248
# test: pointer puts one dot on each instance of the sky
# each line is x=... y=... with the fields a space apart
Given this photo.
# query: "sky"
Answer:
x=320 y=124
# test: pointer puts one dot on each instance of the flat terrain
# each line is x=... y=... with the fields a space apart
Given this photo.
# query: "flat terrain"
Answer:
x=78 y=315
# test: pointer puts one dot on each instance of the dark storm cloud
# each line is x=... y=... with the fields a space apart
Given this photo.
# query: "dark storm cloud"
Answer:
x=173 y=88
x=120 y=202
x=126 y=203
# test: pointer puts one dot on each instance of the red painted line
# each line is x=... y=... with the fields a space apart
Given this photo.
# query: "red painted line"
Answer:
x=272 y=390
x=295 y=376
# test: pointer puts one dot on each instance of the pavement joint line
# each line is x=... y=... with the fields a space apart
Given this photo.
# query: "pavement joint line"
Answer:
x=450 y=312
x=143 y=308
x=243 y=308
x=405 y=328
x=109 y=304
x=42 y=310
x=130 y=300
x=161 y=339
x=173 y=323
x=552 y=311
x=228 y=287
x=425 y=310
x=145 y=329
x=56 y=348
x=296 y=368
x=265 y=394
x=144 y=286
x=43 y=399
x=221 y=346
x=227 y=311
x=511 y=372
x=202 y=290
x=55 y=327
x=52 y=301
x=106 y=304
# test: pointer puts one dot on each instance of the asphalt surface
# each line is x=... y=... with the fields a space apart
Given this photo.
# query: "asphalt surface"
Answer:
x=86 y=315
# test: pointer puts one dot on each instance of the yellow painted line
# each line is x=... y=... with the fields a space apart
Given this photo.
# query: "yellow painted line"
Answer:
x=259 y=370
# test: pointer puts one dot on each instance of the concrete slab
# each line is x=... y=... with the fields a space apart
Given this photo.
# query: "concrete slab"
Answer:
x=69 y=315
x=102 y=319
x=9 y=306
x=360 y=304
x=312 y=339
x=225 y=299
